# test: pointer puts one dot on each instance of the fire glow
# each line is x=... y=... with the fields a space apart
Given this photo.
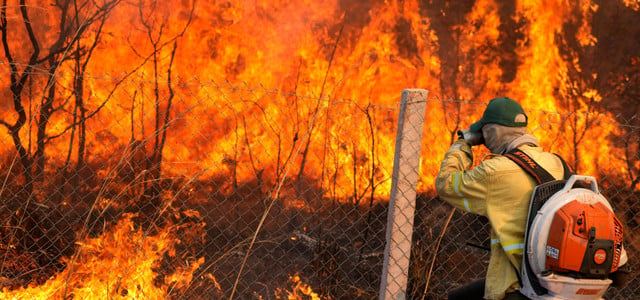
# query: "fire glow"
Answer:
x=243 y=69
x=90 y=272
x=313 y=49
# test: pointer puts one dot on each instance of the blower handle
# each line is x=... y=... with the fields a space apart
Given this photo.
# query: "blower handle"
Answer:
x=572 y=181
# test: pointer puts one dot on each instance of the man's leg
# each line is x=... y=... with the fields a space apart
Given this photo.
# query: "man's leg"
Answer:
x=470 y=291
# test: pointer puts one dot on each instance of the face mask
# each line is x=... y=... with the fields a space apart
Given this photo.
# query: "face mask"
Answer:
x=498 y=137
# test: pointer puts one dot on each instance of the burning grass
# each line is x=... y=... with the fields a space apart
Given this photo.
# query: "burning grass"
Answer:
x=116 y=242
x=297 y=290
x=124 y=261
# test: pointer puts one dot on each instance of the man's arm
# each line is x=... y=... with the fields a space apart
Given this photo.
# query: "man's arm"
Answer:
x=463 y=188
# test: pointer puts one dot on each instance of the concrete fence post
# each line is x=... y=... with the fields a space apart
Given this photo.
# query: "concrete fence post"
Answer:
x=406 y=165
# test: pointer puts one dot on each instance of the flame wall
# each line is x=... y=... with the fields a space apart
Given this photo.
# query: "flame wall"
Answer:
x=304 y=90
x=244 y=67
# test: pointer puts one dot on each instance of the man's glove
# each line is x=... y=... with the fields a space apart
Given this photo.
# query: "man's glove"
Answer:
x=472 y=138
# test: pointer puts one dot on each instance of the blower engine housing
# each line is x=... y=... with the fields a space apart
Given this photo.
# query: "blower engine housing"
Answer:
x=573 y=242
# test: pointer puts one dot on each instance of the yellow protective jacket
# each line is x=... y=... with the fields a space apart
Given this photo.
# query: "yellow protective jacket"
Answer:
x=500 y=190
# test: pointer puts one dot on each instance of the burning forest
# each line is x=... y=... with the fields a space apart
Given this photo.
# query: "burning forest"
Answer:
x=244 y=149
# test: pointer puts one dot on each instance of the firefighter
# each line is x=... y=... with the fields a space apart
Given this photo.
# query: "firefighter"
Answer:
x=497 y=189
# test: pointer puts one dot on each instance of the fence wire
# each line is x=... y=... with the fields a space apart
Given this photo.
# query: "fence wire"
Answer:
x=217 y=191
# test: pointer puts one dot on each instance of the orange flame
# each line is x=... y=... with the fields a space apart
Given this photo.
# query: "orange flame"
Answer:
x=117 y=264
x=255 y=55
x=256 y=81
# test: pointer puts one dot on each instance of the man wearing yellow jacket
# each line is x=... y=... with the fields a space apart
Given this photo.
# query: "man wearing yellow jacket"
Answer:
x=498 y=189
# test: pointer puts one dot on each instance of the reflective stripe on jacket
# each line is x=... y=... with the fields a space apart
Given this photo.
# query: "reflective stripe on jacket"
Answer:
x=500 y=190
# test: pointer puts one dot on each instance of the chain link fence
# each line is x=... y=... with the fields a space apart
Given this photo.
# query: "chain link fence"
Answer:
x=218 y=191
x=214 y=192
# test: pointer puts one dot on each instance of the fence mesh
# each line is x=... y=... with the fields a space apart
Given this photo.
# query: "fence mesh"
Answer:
x=216 y=191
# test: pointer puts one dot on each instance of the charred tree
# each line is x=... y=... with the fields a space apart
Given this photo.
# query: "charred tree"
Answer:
x=155 y=30
x=34 y=84
x=600 y=48
x=373 y=172
x=76 y=19
x=615 y=26
x=312 y=116
x=83 y=55
x=18 y=78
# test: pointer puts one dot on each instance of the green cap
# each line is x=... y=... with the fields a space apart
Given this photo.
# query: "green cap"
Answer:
x=503 y=111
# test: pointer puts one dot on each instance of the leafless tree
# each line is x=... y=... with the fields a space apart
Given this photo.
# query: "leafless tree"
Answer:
x=581 y=111
x=37 y=94
x=606 y=63
x=313 y=116
x=76 y=20
x=154 y=26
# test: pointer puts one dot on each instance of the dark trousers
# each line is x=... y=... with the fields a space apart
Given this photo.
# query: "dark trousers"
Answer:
x=470 y=291
x=475 y=290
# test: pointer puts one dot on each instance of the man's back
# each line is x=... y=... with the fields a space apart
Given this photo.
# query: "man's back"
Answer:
x=500 y=190
x=497 y=188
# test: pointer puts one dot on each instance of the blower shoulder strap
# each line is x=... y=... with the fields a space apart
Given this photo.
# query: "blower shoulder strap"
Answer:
x=533 y=168
x=541 y=176
x=568 y=170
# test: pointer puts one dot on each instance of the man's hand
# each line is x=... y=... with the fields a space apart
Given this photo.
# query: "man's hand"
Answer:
x=472 y=138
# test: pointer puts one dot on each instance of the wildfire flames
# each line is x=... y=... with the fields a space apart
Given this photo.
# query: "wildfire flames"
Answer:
x=252 y=82
x=90 y=273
